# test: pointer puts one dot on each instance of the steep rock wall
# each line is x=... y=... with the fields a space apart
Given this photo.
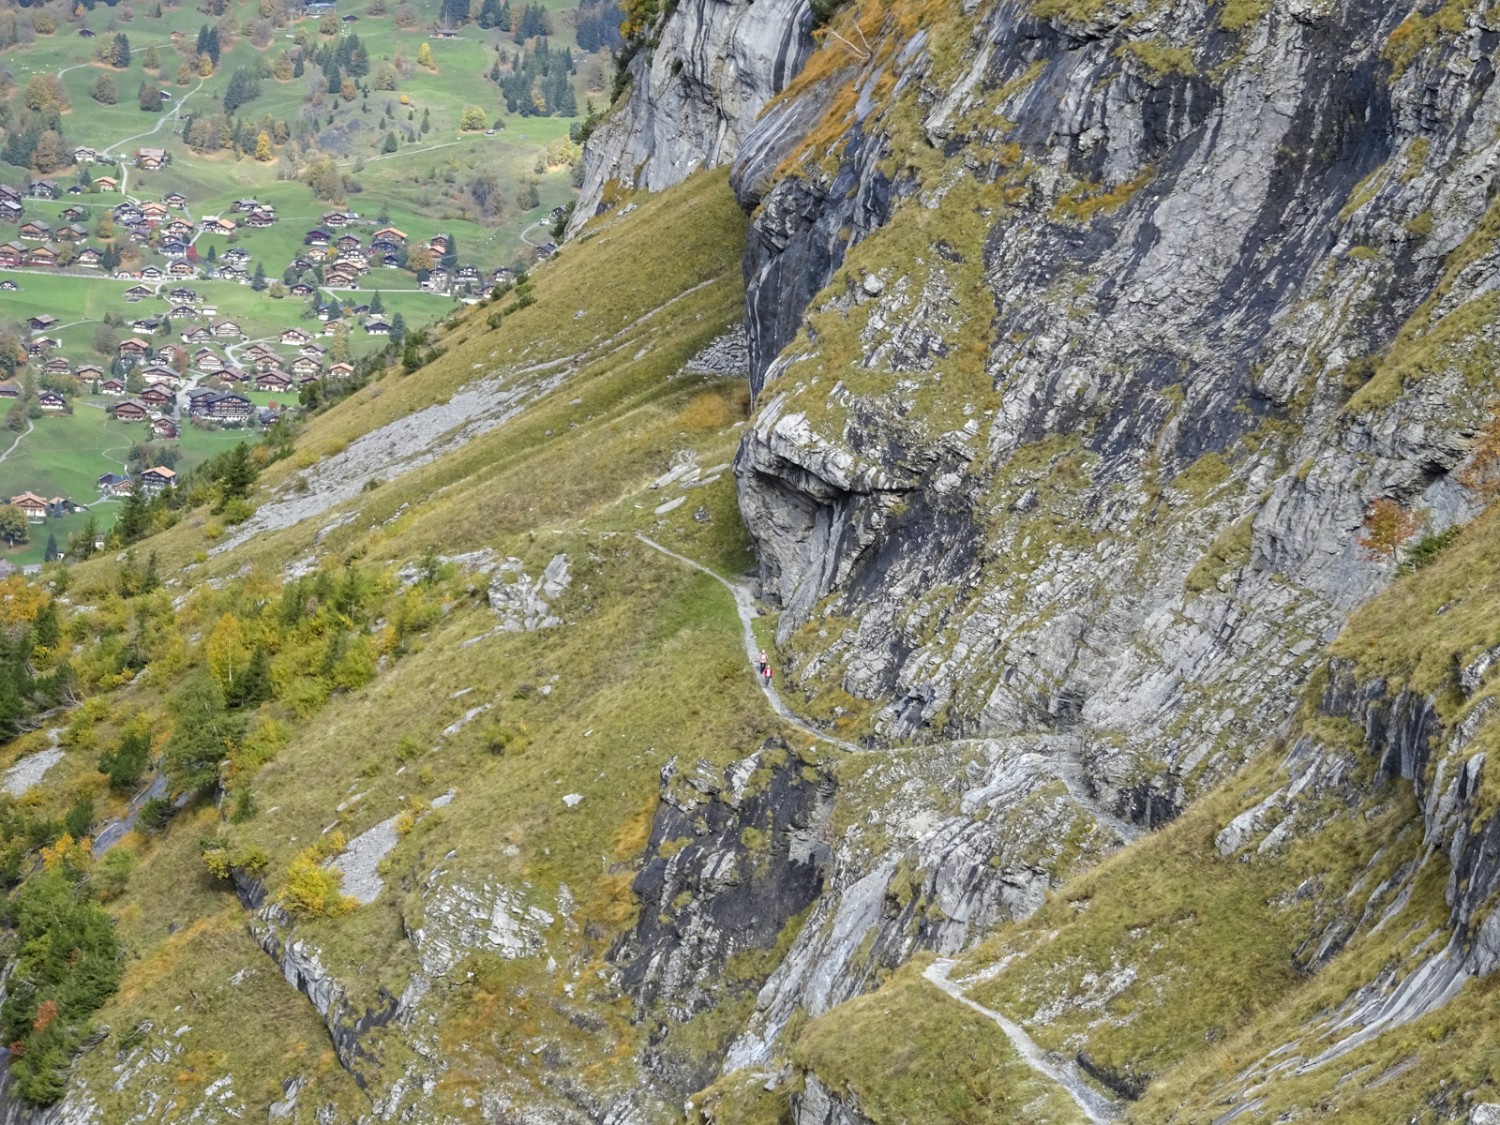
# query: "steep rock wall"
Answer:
x=695 y=90
x=732 y=862
x=1084 y=454
x=1078 y=362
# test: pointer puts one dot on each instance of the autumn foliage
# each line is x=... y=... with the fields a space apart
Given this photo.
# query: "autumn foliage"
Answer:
x=1387 y=526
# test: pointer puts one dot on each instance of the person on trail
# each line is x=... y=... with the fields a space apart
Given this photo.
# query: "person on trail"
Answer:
x=761 y=662
x=765 y=671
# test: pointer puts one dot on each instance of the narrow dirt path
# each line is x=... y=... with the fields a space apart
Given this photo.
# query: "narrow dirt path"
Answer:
x=30 y=425
x=1095 y=1106
x=744 y=605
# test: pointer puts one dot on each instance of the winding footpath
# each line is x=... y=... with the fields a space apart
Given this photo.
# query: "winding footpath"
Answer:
x=744 y=604
x=30 y=425
x=1095 y=1106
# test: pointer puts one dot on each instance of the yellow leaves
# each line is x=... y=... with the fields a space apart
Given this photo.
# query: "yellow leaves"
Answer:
x=226 y=652
x=75 y=854
x=1387 y=526
x=312 y=890
x=20 y=601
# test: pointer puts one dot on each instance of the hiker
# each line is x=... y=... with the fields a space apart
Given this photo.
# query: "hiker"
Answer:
x=761 y=662
x=765 y=671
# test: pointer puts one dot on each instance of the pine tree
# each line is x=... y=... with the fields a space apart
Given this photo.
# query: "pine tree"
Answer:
x=52 y=551
x=135 y=518
x=258 y=282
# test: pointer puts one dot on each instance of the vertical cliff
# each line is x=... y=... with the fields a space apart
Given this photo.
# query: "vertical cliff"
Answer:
x=697 y=80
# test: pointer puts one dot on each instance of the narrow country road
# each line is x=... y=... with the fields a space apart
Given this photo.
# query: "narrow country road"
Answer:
x=1095 y=1106
x=744 y=605
x=545 y=223
x=174 y=114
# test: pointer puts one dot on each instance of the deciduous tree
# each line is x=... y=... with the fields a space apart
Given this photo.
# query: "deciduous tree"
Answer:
x=1387 y=526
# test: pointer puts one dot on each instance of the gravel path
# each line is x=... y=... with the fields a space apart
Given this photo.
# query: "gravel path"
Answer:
x=1095 y=1106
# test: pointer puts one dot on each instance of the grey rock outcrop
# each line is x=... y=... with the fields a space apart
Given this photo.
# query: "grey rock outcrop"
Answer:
x=943 y=876
x=694 y=94
x=817 y=1105
x=733 y=859
x=523 y=603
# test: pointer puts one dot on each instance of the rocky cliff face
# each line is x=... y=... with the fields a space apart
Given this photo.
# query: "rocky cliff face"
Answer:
x=696 y=88
x=1083 y=337
x=1141 y=356
x=733 y=862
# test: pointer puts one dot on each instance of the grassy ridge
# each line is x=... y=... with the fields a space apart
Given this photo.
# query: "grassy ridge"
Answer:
x=647 y=667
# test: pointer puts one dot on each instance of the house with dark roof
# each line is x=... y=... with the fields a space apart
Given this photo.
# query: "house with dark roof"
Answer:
x=131 y=411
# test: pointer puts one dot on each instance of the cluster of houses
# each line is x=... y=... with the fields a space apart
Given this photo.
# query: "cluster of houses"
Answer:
x=353 y=257
x=219 y=397
x=153 y=482
x=37 y=509
x=38 y=243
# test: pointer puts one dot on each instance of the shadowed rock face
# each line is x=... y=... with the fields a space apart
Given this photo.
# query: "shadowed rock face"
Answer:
x=732 y=860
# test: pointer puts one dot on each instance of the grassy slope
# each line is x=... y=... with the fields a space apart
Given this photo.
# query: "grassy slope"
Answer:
x=648 y=667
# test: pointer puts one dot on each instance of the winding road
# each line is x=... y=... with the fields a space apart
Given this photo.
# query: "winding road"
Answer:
x=544 y=223
x=174 y=114
x=30 y=425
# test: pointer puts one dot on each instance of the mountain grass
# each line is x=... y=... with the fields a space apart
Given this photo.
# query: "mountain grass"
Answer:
x=647 y=667
x=947 y=1063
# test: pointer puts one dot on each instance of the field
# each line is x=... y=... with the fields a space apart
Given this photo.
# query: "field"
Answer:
x=64 y=455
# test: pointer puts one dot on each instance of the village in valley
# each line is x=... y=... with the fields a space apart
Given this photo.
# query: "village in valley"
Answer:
x=169 y=294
